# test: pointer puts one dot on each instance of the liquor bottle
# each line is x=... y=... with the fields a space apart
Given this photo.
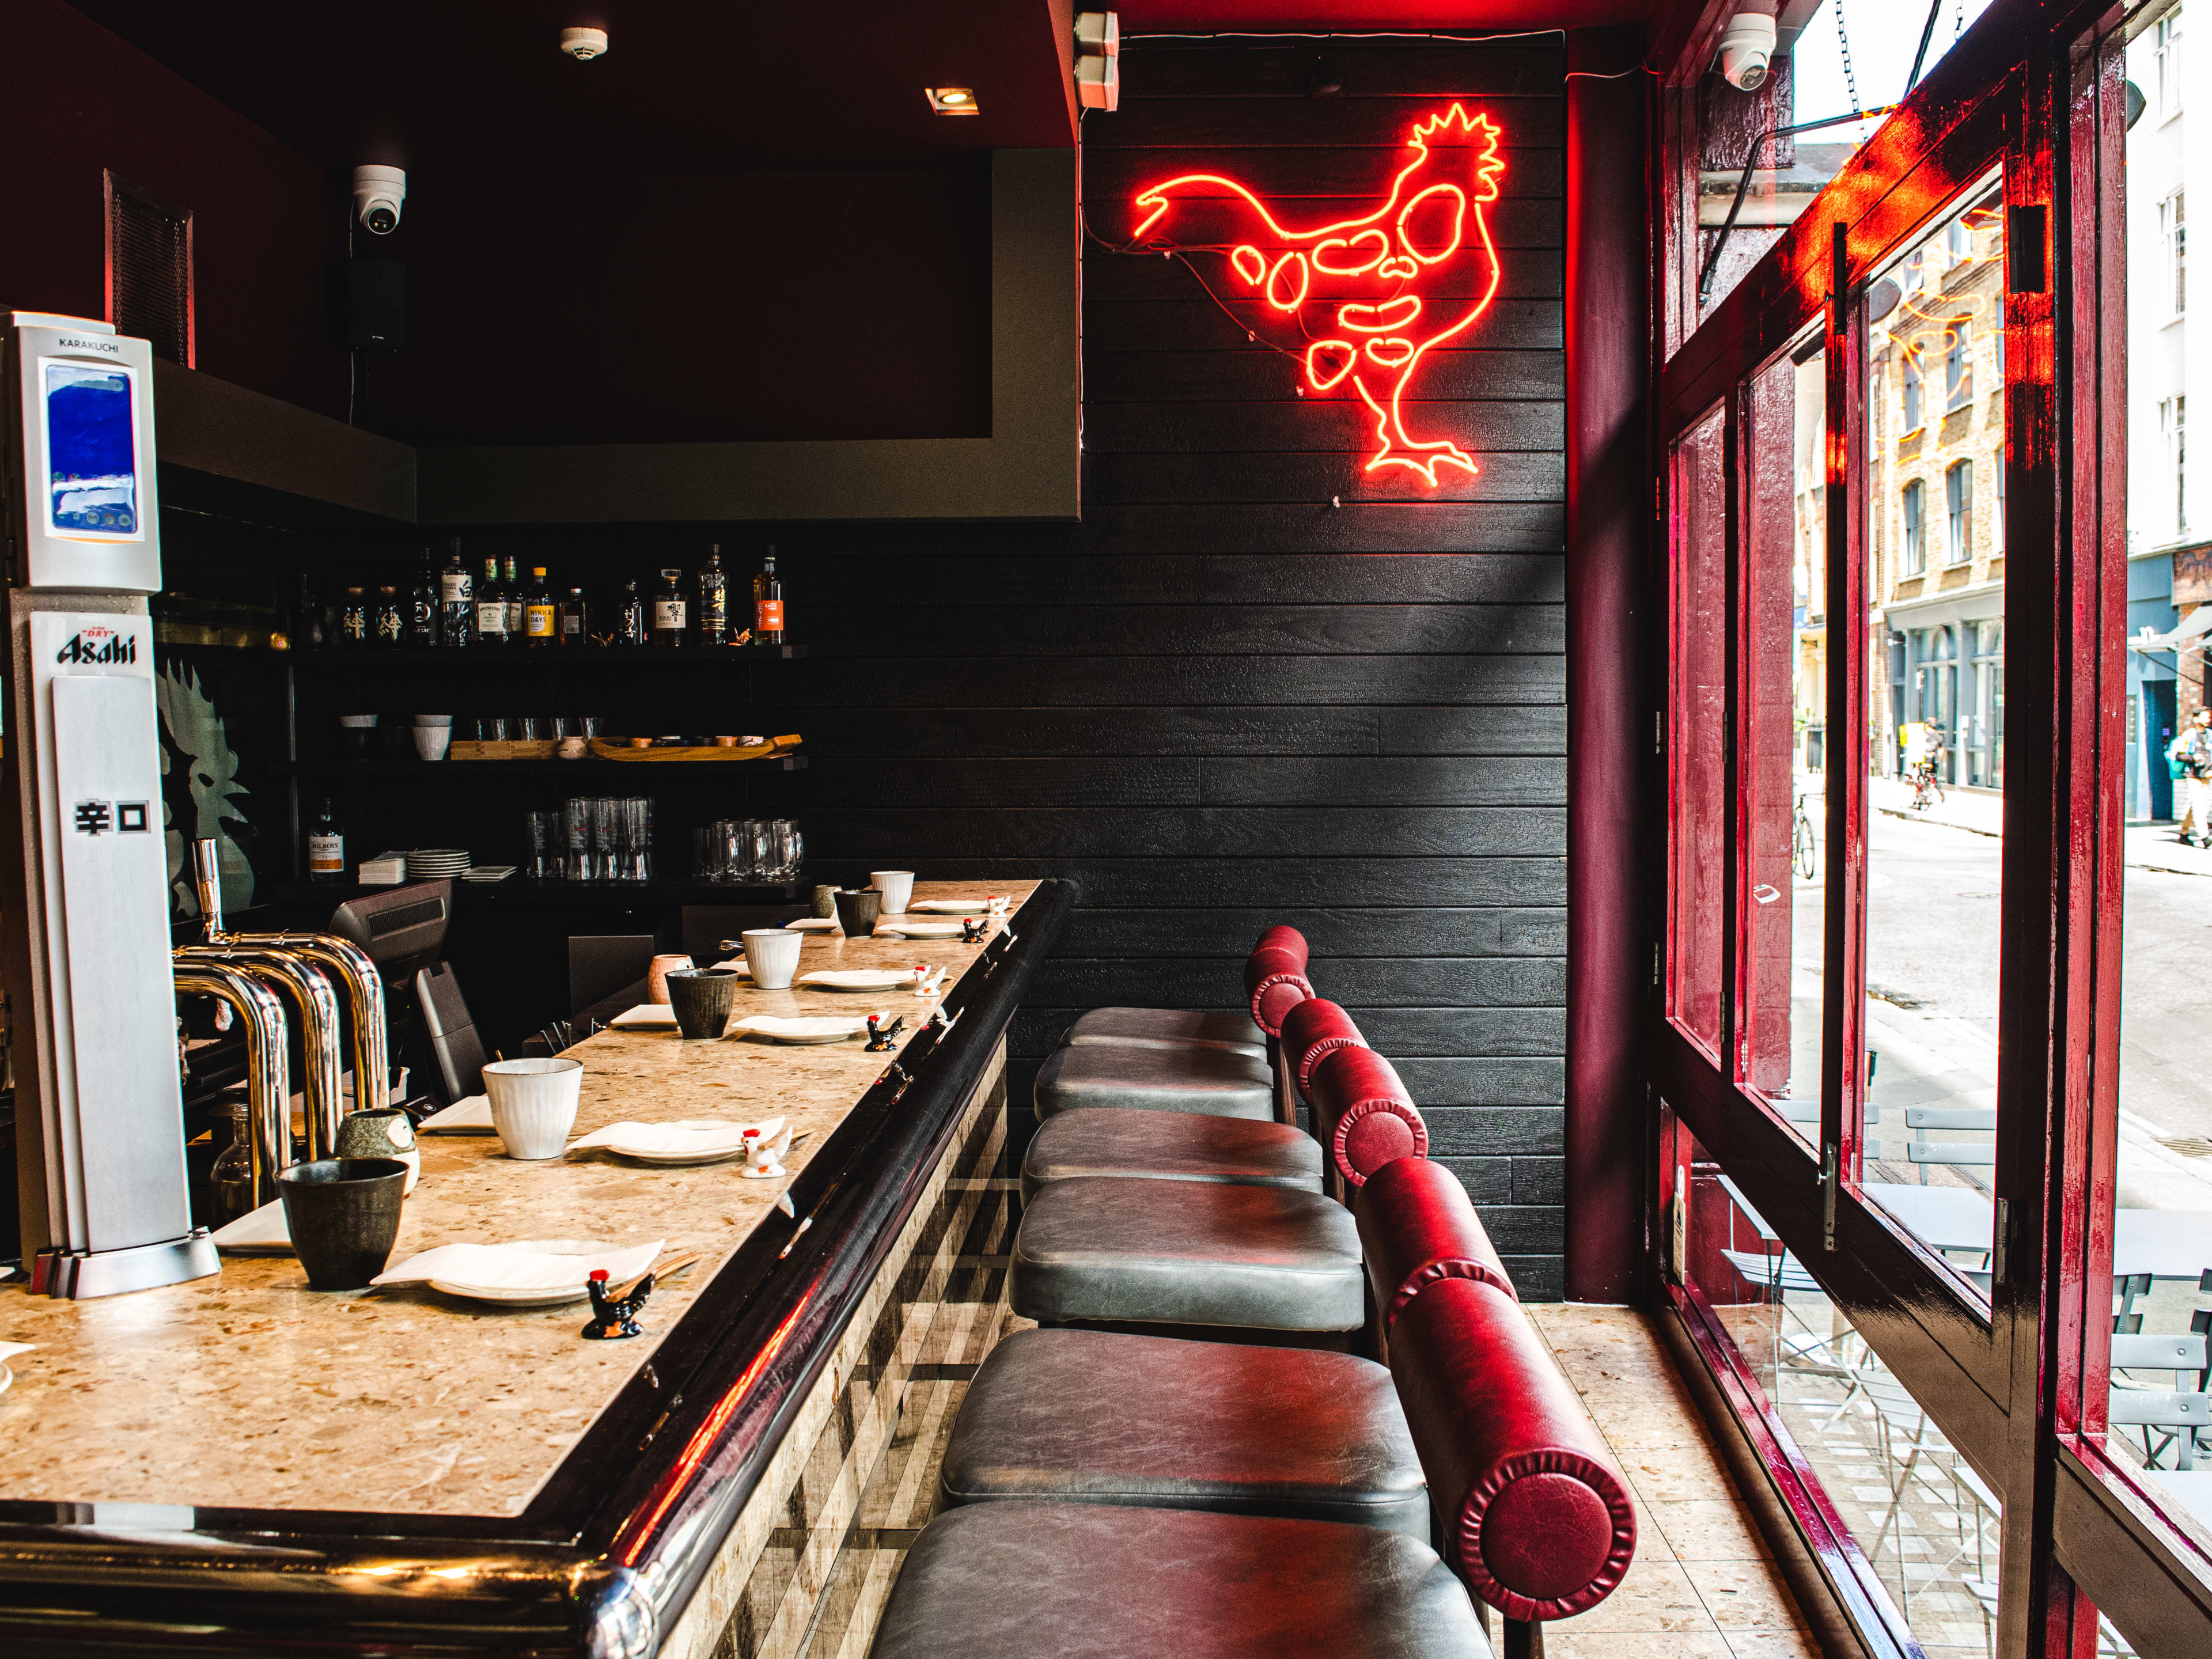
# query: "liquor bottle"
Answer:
x=668 y=609
x=516 y=625
x=767 y=604
x=325 y=847
x=311 y=628
x=457 y=605
x=714 y=599
x=540 y=616
x=353 y=620
x=491 y=607
x=421 y=632
x=575 y=619
x=384 y=622
x=630 y=626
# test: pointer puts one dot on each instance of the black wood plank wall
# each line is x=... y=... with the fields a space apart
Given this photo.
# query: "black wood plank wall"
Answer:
x=1224 y=700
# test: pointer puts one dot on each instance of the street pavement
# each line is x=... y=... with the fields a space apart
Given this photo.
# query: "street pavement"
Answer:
x=1933 y=881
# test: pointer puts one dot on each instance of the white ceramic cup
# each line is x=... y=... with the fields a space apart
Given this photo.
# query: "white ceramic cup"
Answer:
x=431 y=741
x=773 y=955
x=533 y=1104
x=656 y=976
x=895 y=886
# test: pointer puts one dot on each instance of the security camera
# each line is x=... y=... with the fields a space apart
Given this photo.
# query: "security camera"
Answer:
x=377 y=194
x=1747 y=49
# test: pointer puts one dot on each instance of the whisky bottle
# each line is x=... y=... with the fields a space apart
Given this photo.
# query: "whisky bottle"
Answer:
x=540 y=616
x=491 y=607
x=668 y=609
x=422 y=608
x=767 y=604
x=353 y=620
x=714 y=599
x=457 y=605
x=384 y=622
x=325 y=847
x=630 y=626
x=575 y=619
x=516 y=628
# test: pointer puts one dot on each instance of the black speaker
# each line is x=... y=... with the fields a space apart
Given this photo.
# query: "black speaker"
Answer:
x=376 y=305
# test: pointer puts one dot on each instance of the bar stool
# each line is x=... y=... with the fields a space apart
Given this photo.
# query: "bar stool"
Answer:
x=1166 y=1028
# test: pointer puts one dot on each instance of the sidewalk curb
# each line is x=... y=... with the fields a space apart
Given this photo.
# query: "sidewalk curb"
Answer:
x=1907 y=815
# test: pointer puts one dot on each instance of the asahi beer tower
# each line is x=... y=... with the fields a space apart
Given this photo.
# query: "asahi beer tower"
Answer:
x=99 y=1134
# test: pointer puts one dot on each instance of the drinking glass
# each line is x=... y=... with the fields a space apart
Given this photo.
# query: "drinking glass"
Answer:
x=548 y=842
x=589 y=725
x=493 y=728
x=760 y=848
x=530 y=728
x=637 y=839
x=787 y=849
x=576 y=830
x=606 y=838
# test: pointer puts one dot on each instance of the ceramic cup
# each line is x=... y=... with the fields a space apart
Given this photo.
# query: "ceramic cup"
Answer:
x=895 y=886
x=573 y=748
x=342 y=1214
x=702 y=1000
x=533 y=1104
x=432 y=741
x=381 y=1132
x=858 y=908
x=825 y=901
x=773 y=955
x=656 y=976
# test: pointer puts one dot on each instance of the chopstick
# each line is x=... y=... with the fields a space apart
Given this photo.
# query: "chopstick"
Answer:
x=659 y=1270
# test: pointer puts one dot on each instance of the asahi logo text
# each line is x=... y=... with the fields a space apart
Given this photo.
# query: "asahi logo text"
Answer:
x=100 y=647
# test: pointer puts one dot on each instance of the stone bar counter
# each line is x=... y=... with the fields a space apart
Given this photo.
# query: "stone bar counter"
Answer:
x=240 y=1464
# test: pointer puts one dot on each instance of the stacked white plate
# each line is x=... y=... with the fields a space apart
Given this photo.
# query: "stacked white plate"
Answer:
x=777 y=1028
x=936 y=907
x=436 y=863
x=856 y=979
x=537 y=1272
x=695 y=1140
x=916 y=927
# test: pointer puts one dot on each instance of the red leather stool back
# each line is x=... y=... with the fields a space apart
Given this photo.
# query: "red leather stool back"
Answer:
x=1532 y=1510
x=1312 y=1031
x=1275 y=977
x=1363 y=1116
x=1416 y=1230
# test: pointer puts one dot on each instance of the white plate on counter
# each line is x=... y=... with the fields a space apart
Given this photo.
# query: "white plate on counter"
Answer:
x=857 y=979
x=692 y=1141
x=918 y=927
x=812 y=924
x=734 y=965
x=952 y=907
x=539 y=1272
x=778 y=1029
x=7 y=1351
x=469 y=1115
x=646 y=1016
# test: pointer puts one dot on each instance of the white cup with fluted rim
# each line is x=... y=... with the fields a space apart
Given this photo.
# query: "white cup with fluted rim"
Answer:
x=895 y=886
x=772 y=953
x=533 y=1104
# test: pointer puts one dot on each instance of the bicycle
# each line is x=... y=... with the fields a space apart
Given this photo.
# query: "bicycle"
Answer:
x=1802 y=853
x=1927 y=790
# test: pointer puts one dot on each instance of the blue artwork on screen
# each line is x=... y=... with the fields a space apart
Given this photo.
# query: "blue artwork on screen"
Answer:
x=91 y=461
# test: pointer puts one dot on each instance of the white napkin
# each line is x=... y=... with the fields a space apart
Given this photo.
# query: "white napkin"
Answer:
x=952 y=907
x=858 y=979
x=645 y=1014
x=471 y=1116
x=737 y=962
x=534 y=1265
x=777 y=1025
x=257 y=1232
x=914 y=927
x=812 y=924
x=701 y=1134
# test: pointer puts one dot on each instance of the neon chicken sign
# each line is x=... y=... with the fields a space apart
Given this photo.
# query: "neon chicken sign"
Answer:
x=1399 y=281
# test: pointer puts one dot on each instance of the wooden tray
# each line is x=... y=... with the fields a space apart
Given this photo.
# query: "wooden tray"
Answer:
x=606 y=751
x=501 y=748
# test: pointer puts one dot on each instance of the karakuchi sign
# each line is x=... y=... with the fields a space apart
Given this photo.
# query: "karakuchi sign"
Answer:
x=1371 y=297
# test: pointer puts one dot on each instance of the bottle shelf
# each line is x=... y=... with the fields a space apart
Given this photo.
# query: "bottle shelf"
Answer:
x=591 y=766
x=367 y=656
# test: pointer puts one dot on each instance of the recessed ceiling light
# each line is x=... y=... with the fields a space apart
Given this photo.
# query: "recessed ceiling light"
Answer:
x=584 y=43
x=952 y=100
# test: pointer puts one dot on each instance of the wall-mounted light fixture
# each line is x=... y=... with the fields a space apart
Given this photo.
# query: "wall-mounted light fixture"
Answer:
x=1098 y=59
x=952 y=100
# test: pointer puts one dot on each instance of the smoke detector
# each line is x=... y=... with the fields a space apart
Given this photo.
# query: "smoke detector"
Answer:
x=584 y=44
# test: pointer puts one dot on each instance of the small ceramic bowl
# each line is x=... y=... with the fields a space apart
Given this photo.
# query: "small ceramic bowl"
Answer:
x=533 y=1104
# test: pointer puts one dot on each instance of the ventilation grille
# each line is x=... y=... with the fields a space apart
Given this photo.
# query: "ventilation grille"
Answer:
x=150 y=270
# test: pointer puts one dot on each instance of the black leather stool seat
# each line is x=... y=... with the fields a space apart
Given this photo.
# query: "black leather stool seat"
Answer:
x=1193 y=1253
x=1095 y=1417
x=1085 y=1581
x=1114 y=1140
x=1169 y=1028
x=1210 y=1080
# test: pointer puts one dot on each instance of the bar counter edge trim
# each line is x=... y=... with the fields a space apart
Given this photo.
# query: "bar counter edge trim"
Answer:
x=546 y=1581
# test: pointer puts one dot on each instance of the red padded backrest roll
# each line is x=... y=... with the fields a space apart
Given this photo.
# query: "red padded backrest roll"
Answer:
x=1533 y=1512
x=1363 y=1113
x=1312 y=1031
x=1275 y=977
x=1417 y=1229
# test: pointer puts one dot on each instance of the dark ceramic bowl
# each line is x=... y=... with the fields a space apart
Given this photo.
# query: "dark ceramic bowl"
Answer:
x=858 y=910
x=701 y=1000
x=342 y=1214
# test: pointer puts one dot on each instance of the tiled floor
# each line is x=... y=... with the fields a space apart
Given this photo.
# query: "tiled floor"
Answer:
x=1702 y=1578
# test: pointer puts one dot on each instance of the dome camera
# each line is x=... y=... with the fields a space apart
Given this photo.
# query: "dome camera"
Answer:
x=377 y=195
x=1747 y=50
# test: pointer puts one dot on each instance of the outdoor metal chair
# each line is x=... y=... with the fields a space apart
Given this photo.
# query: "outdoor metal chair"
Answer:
x=2176 y=1418
x=1969 y=1153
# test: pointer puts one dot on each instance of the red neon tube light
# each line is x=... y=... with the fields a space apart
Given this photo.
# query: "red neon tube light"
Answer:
x=1383 y=289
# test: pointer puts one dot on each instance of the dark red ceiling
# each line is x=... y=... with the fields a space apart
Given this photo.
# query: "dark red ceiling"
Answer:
x=481 y=87
x=1213 y=16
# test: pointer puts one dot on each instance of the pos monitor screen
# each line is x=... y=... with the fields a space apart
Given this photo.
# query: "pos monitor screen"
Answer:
x=402 y=930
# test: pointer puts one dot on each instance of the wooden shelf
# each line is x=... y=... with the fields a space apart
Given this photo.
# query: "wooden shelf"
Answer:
x=588 y=767
x=323 y=656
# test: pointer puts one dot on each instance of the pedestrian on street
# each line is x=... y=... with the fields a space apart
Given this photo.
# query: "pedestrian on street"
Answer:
x=2193 y=749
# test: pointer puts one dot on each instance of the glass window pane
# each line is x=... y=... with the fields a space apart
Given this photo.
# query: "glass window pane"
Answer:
x=1696 y=748
x=1935 y=818
x=1785 y=735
